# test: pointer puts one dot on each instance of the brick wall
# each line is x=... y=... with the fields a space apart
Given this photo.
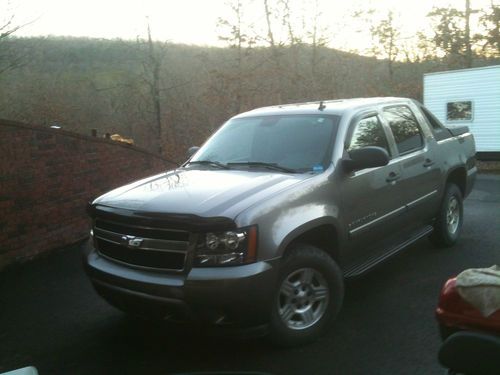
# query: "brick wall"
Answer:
x=47 y=176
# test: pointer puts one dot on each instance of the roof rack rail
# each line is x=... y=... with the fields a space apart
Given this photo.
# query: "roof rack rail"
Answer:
x=306 y=103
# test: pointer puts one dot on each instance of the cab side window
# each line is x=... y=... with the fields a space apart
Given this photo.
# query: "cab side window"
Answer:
x=405 y=128
x=368 y=132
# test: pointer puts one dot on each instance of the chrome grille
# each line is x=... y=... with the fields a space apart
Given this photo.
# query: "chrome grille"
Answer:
x=142 y=246
x=142 y=231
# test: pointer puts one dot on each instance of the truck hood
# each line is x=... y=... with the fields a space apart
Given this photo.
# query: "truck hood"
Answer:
x=206 y=193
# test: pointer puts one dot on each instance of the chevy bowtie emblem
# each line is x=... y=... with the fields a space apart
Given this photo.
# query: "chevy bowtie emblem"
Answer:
x=132 y=241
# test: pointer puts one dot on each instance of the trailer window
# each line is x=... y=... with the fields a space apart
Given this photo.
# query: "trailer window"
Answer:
x=459 y=111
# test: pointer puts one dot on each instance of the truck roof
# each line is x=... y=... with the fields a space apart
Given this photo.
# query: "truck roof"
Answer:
x=335 y=107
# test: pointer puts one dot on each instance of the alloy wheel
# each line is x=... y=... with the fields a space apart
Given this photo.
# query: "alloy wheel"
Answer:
x=303 y=298
x=453 y=215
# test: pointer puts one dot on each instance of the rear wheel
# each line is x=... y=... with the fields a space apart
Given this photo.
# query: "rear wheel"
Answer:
x=449 y=222
x=309 y=296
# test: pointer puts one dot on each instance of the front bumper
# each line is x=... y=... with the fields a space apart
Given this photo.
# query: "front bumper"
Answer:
x=223 y=296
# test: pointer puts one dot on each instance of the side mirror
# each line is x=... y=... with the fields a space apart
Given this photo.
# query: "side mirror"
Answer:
x=192 y=150
x=366 y=157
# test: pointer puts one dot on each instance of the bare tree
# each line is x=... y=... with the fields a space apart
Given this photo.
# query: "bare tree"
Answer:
x=318 y=39
x=9 y=58
x=287 y=21
x=155 y=65
x=425 y=47
x=490 y=20
x=235 y=35
x=294 y=39
x=7 y=25
x=151 y=67
x=452 y=34
x=386 y=35
x=275 y=52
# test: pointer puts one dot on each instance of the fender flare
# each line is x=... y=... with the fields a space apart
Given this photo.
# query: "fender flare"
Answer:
x=309 y=225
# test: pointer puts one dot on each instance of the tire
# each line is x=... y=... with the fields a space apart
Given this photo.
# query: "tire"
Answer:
x=450 y=218
x=308 y=296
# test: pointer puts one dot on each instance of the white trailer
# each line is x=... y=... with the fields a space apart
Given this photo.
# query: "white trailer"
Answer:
x=468 y=97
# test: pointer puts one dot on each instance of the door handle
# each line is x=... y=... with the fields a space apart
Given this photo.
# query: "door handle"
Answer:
x=392 y=177
x=428 y=162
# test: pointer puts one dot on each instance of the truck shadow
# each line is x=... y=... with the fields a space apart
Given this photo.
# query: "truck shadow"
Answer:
x=377 y=308
x=54 y=320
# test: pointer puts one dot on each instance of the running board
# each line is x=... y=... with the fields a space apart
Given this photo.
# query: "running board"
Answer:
x=373 y=261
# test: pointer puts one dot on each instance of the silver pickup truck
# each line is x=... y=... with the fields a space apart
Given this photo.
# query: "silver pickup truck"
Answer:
x=260 y=227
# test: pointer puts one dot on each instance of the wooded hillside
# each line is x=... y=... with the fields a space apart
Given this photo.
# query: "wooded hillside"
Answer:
x=130 y=87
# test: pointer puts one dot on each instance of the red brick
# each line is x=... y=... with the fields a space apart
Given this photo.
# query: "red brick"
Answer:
x=47 y=176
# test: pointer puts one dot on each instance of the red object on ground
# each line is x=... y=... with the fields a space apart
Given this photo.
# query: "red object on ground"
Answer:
x=455 y=313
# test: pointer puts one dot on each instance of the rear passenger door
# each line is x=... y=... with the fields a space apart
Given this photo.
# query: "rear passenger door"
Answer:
x=420 y=174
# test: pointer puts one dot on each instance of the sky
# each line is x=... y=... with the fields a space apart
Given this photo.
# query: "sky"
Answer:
x=194 y=21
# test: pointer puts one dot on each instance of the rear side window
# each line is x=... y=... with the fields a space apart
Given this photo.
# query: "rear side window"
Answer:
x=439 y=131
x=434 y=122
x=405 y=128
x=368 y=132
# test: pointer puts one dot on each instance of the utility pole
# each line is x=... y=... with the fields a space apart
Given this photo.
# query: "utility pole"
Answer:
x=468 y=49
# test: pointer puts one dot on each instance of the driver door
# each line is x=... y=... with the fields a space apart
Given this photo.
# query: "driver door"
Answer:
x=371 y=201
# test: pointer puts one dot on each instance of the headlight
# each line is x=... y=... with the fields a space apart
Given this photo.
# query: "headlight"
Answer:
x=227 y=248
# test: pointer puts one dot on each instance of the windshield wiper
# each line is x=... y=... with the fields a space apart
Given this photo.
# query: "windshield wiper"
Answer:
x=273 y=166
x=210 y=162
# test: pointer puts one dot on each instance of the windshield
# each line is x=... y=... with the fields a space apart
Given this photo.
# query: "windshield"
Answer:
x=295 y=142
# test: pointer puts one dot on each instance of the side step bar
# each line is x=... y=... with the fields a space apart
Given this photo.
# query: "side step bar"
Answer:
x=373 y=261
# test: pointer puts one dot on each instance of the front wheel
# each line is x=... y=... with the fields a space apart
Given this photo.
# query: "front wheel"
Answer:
x=309 y=296
x=450 y=219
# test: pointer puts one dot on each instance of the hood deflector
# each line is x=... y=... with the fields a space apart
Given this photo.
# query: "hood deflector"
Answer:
x=189 y=222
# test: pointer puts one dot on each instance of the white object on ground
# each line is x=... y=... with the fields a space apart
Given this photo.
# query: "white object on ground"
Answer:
x=22 y=371
x=481 y=288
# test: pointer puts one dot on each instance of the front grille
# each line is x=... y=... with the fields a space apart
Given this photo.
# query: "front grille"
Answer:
x=143 y=258
x=142 y=246
x=146 y=232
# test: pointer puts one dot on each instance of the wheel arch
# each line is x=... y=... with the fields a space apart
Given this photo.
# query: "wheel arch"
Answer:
x=322 y=233
x=458 y=176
